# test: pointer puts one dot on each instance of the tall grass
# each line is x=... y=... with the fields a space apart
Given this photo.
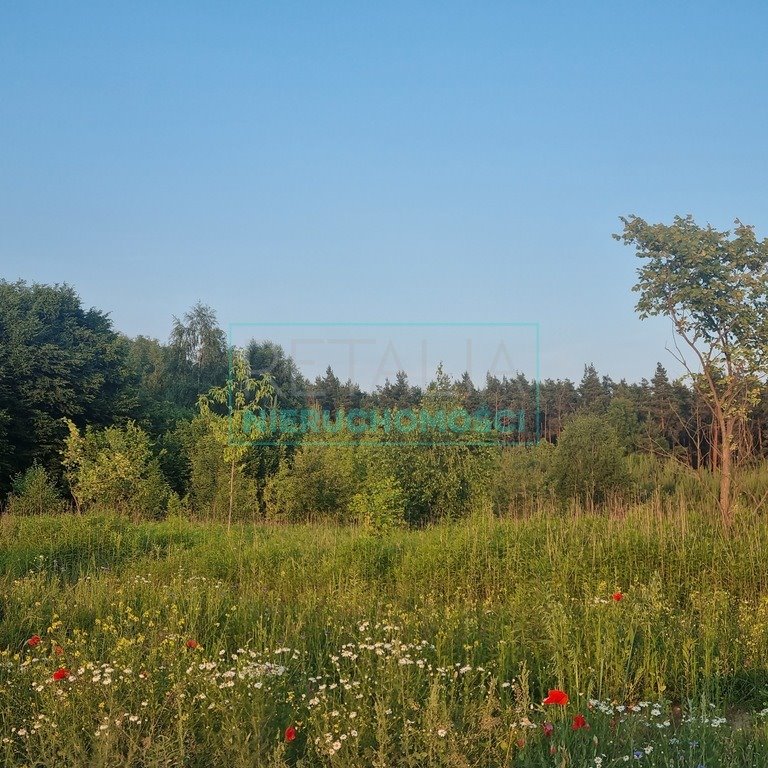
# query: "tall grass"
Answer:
x=521 y=606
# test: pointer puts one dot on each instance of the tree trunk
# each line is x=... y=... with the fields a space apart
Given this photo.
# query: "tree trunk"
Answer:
x=231 y=494
x=699 y=453
x=726 y=467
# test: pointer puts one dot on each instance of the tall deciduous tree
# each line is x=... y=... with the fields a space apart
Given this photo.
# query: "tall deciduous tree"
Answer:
x=57 y=360
x=198 y=354
x=713 y=285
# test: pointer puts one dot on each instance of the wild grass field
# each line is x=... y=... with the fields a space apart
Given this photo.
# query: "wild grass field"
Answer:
x=178 y=644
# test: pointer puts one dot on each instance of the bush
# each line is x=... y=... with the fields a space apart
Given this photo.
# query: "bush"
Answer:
x=210 y=475
x=35 y=493
x=443 y=476
x=176 y=508
x=521 y=477
x=114 y=469
x=588 y=464
x=318 y=485
x=380 y=504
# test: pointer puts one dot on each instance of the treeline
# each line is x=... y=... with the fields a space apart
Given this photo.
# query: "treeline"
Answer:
x=92 y=418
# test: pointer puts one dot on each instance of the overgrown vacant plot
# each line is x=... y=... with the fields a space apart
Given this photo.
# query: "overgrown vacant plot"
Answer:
x=174 y=643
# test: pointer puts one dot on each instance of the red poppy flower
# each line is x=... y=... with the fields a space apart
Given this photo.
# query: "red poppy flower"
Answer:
x=520 y=743
x=58 y=650
x=548 y=728
x=192 y=644
x=617 y=596
x=557 y=697
x=579 y=722
x=33 y=641
x=62 y=673
x=290 y=733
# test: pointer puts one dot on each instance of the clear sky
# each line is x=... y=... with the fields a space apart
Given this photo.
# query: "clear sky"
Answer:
x=419 y=161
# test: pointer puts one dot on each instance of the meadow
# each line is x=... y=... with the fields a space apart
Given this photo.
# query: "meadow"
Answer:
x=176 y=643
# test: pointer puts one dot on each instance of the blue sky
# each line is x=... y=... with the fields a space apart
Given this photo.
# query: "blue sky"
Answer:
x=428 y=162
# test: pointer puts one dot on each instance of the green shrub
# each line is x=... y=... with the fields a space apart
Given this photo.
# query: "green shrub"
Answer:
x=318 y=485
x=380 y=504
x=114 y=469
x=210 y=475
x=588 y=464
x=520 y=481
x=35 y=493
x=176 y=507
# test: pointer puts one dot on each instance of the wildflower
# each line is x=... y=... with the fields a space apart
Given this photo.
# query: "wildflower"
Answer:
x=556 y=696
x=548 y=728
x=579 y=722
x=441 y=732
x=520 y=743
x=62 y=673
x=290 y=733
x=616 y=596
x=58 y=650
x=192 y=644
x=34 y=641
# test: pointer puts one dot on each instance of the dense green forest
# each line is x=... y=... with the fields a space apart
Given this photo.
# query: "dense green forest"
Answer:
x=92 y=419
